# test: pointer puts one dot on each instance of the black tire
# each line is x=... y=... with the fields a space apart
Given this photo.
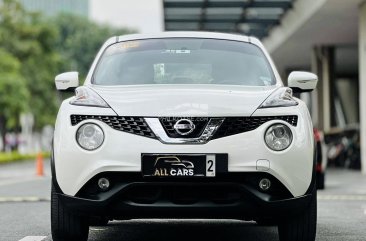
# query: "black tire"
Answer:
x=98 y=221
x=300 y=227
x=65 y=225
x=267 y=222
x=320 y=181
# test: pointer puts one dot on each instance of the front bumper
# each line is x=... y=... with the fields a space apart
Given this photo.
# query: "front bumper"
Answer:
x=121 y=151
x=229 y=196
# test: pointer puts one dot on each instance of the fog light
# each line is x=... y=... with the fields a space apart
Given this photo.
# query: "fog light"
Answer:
x=103 y=184
x=265 y=184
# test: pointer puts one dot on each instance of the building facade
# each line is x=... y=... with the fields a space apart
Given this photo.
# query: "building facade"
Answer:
x=54 y=7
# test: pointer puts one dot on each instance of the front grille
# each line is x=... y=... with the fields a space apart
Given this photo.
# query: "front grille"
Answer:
x=133 y=125
x=236 y=125
x=230 y=126
x=169 y=122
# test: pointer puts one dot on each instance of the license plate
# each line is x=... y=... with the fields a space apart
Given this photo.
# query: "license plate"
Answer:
x=182 y=165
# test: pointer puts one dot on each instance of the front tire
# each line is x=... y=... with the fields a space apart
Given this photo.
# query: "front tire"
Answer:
x=98 y=221
x=65 y=225
x=320 y=181
x=267 y=222
x=302 y=226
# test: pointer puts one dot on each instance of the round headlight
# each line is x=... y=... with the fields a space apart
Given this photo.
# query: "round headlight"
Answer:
x=90 y=136
x=278 y=137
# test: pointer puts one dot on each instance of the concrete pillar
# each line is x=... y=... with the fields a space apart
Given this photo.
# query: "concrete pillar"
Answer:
x=315 y=68
x=362 y=83
x=322 y=64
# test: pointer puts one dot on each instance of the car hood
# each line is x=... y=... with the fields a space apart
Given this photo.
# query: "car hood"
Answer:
x=184 y=100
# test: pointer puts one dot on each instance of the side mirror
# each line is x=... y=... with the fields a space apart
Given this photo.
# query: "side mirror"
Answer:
x=67 y=81
x=300 y=81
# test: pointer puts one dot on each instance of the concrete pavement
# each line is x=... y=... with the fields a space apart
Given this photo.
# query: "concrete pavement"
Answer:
x=341 y=214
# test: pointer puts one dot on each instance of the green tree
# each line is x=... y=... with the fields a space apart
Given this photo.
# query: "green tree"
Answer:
x=14 y=95
x=79 y=41
x=33 y=50
x=30 y=40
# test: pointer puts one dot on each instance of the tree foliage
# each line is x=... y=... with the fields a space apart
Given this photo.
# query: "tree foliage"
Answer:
x=34 y=49
x=79 y=41
x=14 y=94
x=27 y=42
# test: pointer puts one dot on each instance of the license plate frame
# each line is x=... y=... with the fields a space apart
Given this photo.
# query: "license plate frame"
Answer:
x=184 y=165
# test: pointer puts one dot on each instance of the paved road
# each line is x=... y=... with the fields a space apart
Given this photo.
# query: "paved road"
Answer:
x=24 y=212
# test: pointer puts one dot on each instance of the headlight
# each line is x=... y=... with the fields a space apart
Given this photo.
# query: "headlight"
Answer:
x=280 y=98
x=90 y=136
x=278 y=137
x=87 y=97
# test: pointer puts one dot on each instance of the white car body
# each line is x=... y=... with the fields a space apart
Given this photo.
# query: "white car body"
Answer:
x=75 y=166
x=121 y=151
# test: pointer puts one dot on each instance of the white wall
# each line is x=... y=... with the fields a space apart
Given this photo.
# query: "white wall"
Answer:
x=362 y=56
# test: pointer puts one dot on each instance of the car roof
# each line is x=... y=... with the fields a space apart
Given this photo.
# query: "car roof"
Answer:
x=185 y=34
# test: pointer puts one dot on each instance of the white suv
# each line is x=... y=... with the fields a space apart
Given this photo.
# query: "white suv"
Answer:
x=184 y=125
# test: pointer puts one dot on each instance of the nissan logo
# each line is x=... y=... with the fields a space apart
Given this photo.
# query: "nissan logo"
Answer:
x=184 y=127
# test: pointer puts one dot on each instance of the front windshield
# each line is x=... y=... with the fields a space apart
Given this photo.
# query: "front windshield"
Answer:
x=183 y=61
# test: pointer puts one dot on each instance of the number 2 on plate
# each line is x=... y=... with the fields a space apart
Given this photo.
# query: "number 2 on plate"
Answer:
x=210 y=165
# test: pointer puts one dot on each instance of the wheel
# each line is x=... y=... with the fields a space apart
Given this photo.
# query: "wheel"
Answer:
x=266 y=222
x=65 y=225
x=320 y=181
x=98 y=221
x=300 y=227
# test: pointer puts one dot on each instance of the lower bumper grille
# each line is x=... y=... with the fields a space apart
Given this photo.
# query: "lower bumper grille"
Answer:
x=224 y=188
x=232 y=196
x=183 y=194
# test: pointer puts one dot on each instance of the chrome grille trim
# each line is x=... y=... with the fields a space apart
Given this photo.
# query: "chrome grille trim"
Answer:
x=208 y=132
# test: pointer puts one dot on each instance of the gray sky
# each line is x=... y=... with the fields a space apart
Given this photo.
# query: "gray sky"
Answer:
x=146 y=16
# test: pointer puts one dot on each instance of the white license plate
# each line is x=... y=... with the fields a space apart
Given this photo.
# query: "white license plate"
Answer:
x=210 y=165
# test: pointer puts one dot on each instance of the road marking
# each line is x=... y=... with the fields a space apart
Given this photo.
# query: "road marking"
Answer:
x=33 y=238
x=23 y=199
x=342 y=197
